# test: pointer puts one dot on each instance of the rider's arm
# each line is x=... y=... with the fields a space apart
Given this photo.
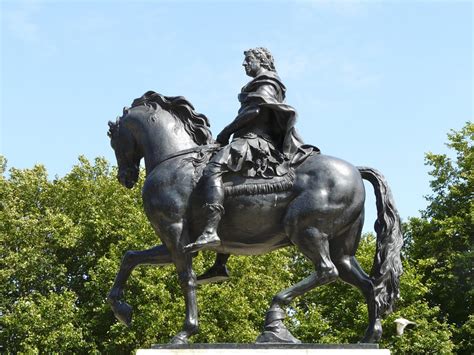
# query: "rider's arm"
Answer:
x=243 y=119
x=264 y=93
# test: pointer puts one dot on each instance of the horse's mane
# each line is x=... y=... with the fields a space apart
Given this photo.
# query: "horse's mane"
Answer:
x=196 y=124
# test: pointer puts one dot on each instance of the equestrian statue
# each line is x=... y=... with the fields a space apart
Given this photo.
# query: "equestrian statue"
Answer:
x=263 y=190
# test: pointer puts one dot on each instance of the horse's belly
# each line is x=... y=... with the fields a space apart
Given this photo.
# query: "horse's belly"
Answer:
x=254 y=224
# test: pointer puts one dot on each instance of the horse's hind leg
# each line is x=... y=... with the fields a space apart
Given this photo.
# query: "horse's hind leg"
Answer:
x=315 y=246
x=343 y=249
x=351 y=272
x=158 y=255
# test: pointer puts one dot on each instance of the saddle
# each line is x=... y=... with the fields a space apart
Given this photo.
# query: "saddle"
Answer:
x=236 y=184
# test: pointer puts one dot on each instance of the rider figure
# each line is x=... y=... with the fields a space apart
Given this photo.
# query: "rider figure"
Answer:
x=264 y=143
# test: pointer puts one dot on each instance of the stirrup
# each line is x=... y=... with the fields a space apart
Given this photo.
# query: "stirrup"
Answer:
x=197 y=246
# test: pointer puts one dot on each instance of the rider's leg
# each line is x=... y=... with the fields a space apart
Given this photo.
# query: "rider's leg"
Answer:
x=213 y=207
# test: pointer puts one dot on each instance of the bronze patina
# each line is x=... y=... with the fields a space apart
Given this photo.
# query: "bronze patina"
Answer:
x=283 y=191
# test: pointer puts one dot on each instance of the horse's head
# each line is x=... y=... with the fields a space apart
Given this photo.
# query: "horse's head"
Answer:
x=154 y=127
x=127 y=153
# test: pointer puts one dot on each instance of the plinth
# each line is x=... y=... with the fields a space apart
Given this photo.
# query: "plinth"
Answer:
x=264 y=349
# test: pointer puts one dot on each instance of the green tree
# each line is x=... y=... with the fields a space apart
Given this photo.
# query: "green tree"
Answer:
x=337 y=313
x=61 y=242
x=443 y=237
x=53 y=235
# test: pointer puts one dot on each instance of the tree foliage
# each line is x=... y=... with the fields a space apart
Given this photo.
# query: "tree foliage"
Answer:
x=61 y=242
x=443 y=237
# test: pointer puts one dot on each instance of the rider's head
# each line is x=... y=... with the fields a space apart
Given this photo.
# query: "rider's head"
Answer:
x=264 y=56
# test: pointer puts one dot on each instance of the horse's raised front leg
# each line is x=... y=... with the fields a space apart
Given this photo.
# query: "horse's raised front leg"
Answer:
x=314 y=245
x=158 y=255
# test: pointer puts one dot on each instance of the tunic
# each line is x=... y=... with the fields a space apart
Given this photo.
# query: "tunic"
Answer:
x=267 y=145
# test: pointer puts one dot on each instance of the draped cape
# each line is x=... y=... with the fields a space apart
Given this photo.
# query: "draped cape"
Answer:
x=265 y=155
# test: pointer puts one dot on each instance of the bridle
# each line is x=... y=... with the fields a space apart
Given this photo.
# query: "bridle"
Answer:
x=197 y=149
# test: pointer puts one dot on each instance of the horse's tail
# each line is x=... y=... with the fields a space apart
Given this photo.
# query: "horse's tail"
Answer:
x=387 y=267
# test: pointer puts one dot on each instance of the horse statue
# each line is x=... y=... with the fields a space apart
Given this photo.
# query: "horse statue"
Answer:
x=321 y=212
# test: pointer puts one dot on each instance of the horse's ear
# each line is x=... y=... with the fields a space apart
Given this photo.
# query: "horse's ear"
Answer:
x=113 y=127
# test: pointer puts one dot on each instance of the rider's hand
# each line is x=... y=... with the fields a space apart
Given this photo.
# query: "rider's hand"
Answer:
x=223 y=138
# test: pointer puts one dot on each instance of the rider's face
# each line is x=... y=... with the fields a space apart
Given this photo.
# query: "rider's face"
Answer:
x=251 y=65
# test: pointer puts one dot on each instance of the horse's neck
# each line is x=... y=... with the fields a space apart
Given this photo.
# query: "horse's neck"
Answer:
x=160 y=137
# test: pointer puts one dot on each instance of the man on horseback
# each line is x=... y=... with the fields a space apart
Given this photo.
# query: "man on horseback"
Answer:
x=264 y=145
x=321 y=211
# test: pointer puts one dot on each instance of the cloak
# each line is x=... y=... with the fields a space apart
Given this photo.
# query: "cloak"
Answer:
x=256 y=93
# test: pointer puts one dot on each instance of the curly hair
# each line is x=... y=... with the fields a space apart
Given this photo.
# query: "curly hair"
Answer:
x=264 y=56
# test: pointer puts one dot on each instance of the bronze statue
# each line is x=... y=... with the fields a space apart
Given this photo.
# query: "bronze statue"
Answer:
x=303 y=198
x=264 y=141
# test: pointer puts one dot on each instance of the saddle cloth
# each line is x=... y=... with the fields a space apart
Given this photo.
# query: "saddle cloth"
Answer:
x=235 y=184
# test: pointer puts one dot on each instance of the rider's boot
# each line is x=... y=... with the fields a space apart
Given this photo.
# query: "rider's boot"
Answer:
x=214 y=211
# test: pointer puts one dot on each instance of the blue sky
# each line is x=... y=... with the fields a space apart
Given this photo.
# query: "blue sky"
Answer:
x=377 y=83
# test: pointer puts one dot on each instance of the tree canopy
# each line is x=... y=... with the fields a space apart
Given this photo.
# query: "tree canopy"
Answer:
x=61 y=241
x=441 y=240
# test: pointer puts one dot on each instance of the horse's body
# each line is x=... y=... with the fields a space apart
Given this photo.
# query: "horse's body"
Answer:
x=280 y=212
x=321 y=214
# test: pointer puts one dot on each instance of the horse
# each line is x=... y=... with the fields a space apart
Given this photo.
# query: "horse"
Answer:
x=321 y=213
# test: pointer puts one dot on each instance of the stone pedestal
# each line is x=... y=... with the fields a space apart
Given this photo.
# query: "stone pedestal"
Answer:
x=265 y=349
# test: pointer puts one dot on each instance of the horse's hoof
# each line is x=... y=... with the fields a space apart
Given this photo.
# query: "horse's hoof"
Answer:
x=114 y=295
x=214 y=274
x=369 y=339
x=179 y=339
x=123 y=312
x=282 y=336
x=211 y=280
x=373 y=334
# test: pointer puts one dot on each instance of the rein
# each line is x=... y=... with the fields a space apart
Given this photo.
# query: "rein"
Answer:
x=189 y=151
